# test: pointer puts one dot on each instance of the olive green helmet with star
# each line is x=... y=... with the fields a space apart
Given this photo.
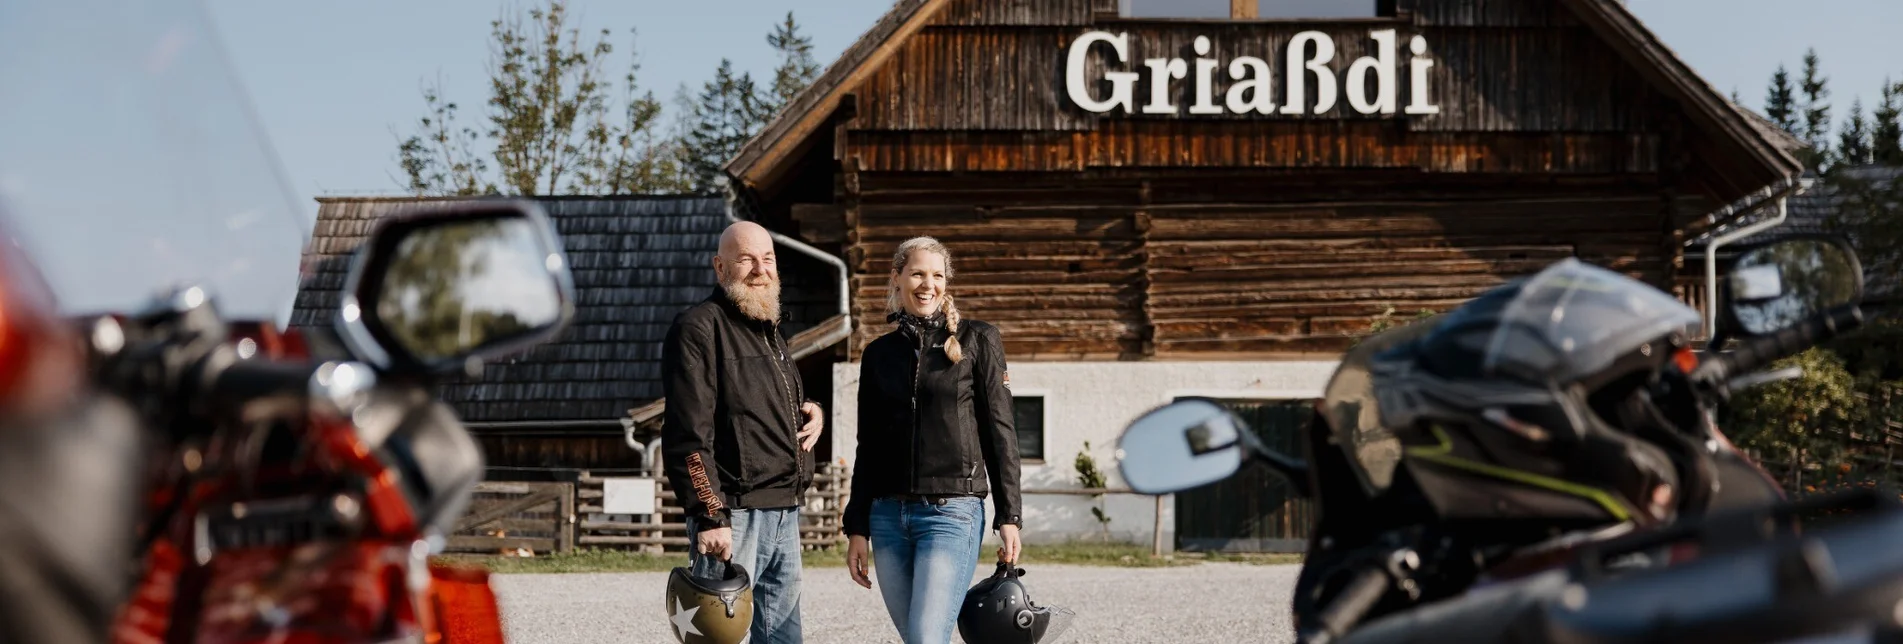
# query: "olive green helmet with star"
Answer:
x=703 y=610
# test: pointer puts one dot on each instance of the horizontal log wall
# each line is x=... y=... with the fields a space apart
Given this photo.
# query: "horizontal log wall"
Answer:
x=1065 y=278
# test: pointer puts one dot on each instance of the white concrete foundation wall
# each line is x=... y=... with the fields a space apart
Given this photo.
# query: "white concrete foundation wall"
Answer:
x=1094 y=401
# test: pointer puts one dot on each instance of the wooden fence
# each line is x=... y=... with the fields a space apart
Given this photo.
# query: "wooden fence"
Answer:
x=508 y=518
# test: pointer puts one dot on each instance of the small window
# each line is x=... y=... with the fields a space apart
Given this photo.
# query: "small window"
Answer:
x=1028 y=416
x=1273 y=9
x=1264 y=9
x=1176 y=8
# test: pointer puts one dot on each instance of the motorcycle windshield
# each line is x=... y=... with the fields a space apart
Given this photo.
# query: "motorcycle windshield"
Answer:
x=1569 y=321
x=1574 y=319
x=130 y=162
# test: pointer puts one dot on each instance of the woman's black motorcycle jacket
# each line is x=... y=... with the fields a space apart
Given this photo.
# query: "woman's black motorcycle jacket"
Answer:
x=931 y=427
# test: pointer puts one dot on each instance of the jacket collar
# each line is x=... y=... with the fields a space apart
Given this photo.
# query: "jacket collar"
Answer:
x=914 y=326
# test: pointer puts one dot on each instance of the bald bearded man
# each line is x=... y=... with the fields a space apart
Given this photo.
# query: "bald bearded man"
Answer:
x=738 y=432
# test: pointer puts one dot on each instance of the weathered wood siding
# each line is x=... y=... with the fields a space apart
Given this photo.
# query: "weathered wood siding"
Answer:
x=1094 y=272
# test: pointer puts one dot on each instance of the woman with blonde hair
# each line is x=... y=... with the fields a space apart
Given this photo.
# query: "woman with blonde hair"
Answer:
x=935 y=438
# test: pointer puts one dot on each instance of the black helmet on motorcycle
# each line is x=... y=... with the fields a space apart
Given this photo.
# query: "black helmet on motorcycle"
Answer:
x=710 y=610
x=999 y=609
x=1526 y=402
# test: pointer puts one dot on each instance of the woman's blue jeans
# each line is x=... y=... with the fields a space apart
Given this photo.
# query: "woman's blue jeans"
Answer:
x=924 y=555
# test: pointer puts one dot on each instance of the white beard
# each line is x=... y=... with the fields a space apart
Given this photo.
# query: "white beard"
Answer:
x=762 y=306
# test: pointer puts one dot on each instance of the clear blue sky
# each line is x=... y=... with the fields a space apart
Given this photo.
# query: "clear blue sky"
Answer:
x=336 y=81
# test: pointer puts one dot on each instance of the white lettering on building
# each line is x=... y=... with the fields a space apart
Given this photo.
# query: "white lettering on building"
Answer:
x=1252 y=80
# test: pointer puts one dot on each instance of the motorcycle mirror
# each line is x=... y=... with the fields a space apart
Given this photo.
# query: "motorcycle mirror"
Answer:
x=438 y=290
x=1778 y=284
x=1182 y=445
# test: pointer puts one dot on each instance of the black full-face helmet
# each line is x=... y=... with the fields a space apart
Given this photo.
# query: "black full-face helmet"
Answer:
x=1528 y=402
x=999 y=609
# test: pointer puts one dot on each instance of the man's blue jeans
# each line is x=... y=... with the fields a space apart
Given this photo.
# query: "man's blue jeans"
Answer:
x=767 y=544
x=924 y=555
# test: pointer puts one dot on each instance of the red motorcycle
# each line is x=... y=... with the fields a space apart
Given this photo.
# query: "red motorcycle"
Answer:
x=175 y=466
x=305 y=495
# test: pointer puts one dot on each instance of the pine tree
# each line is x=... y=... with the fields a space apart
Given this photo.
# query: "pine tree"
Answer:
x=1886 y=134
x=1780 y=104
x=727 y=114
x=1816 y=115
x=797 y=68
x=1853 y=142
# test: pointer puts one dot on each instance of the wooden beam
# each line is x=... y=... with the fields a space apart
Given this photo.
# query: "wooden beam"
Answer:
x=1243 y=8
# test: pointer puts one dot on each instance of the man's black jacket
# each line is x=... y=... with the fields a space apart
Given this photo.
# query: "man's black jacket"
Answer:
x=928 y=426
x=729 y=432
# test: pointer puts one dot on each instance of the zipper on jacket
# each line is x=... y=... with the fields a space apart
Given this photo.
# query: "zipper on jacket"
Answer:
x=786 y=393
x=918 y=368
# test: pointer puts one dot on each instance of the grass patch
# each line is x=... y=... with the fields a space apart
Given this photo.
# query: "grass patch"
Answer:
x=1087 y=553
x=604 y=560
x=580 y=560
x=1120 y=555
x=1255 y=558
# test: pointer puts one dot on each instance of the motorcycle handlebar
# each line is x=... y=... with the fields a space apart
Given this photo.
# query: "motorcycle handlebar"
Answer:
x=248 y=380
x=1365 y=590
x=1756 y=352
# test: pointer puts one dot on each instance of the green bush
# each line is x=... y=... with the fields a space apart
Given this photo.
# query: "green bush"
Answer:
x=1809 y=413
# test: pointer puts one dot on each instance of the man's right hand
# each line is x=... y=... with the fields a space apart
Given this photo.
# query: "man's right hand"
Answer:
x=717 y=543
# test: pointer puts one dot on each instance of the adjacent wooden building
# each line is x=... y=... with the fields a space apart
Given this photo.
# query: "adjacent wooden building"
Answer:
x=1222 y=205
x=565 y=406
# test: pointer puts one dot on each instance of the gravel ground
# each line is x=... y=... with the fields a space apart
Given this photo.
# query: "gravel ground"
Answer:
x=1212 y=602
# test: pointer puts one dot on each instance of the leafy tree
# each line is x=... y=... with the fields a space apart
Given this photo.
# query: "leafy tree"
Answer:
x=1780 y=104
x=550 y=127
x=441 y=158
x=1090 y=477
x=1804 y=414
x=630 y=156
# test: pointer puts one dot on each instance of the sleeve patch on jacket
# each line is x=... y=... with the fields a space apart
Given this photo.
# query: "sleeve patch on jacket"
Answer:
x=703 y=489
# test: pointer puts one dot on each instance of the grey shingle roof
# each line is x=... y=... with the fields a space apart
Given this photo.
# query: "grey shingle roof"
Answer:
x=637 y=261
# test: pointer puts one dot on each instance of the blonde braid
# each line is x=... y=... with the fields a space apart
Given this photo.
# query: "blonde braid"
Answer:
x=952 y=349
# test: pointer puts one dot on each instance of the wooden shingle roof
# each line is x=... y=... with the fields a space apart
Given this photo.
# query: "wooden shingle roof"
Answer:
x=637 y=261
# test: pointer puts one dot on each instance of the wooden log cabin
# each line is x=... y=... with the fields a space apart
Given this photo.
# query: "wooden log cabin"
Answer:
x=1151 y=203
